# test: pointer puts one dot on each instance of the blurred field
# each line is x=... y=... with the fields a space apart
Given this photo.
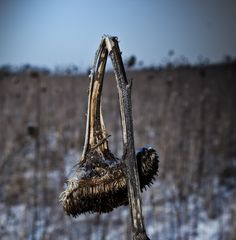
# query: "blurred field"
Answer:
x=187 y=113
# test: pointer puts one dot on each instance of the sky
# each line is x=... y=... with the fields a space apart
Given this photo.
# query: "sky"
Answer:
x=62 y=32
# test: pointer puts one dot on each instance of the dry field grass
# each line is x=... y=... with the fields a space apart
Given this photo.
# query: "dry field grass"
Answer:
x=187 y=113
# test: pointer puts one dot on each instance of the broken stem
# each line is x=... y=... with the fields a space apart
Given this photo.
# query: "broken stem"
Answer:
x=133 y=185
x=95 y=130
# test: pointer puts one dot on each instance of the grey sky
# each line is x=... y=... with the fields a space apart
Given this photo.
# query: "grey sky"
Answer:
x=51 y=32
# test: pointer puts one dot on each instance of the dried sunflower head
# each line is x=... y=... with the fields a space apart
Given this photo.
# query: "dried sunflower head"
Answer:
x=99 y=183
x=100 y=186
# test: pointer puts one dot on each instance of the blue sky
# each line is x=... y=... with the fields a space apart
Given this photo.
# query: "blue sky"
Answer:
x=62 y=32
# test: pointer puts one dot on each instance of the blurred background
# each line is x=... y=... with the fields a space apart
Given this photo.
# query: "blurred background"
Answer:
x=181 y=56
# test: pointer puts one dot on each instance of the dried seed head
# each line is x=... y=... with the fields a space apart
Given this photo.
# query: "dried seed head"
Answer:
x=102 y=186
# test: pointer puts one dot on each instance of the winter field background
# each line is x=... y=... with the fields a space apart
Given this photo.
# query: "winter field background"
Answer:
x=186 y=113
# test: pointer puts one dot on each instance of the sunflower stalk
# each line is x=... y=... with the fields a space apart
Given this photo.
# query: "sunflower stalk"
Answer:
x=103 y=182
x=132 y=177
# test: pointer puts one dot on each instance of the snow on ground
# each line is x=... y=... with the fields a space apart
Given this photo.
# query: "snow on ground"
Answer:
x=164 y=220
x=166 y=216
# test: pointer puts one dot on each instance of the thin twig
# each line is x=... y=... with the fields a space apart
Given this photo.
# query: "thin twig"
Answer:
x=100 y=142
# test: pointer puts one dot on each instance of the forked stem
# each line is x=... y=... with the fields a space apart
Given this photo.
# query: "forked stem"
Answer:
x=95 y=129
